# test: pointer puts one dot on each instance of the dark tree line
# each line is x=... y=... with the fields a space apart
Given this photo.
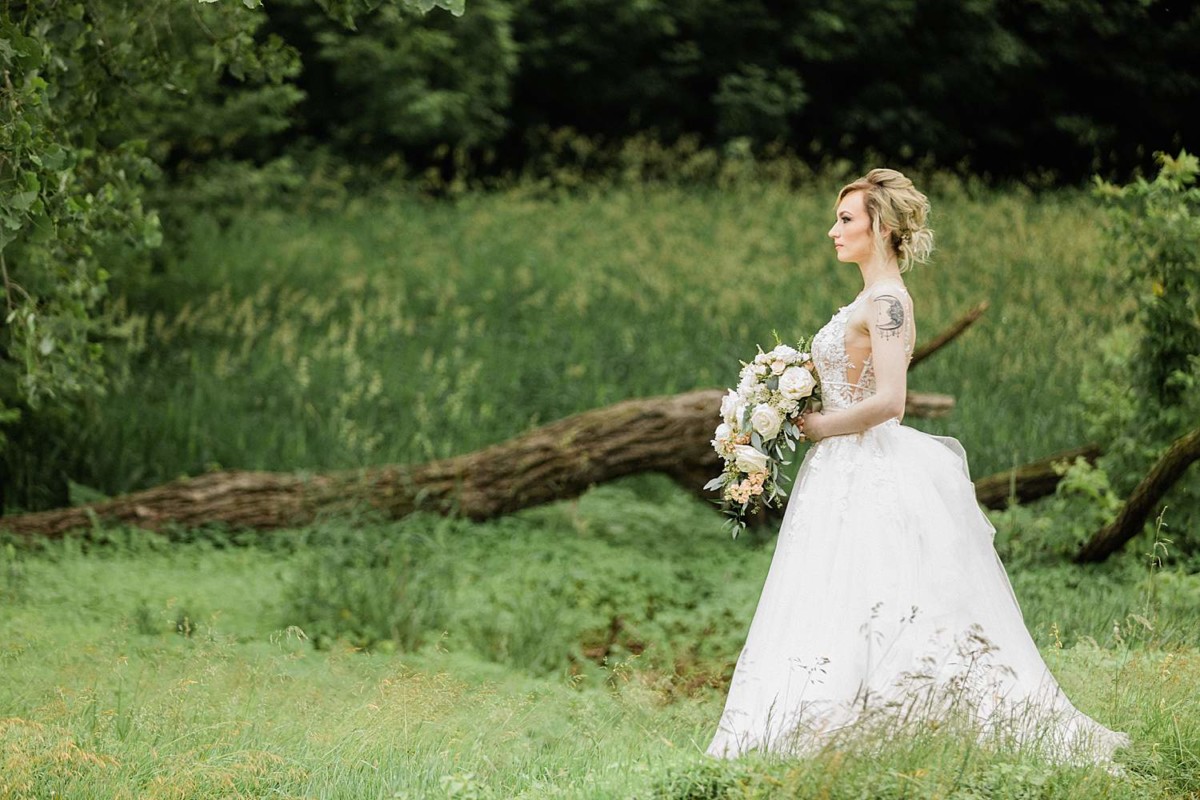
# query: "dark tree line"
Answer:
x=1069 y=87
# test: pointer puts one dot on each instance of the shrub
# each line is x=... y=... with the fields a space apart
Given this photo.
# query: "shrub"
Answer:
x=1141 y=394
x=374 y=585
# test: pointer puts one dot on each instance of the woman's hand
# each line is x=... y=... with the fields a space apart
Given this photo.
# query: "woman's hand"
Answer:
x=811 y=426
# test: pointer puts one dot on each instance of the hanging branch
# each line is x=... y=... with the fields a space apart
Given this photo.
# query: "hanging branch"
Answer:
x=1142 y=502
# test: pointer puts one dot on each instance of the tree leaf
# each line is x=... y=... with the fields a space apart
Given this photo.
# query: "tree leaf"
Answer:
x=21 y=201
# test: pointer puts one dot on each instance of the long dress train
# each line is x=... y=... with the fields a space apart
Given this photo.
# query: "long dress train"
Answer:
x=885 y=593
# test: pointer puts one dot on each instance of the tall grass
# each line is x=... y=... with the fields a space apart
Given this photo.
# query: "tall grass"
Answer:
x=402 y=330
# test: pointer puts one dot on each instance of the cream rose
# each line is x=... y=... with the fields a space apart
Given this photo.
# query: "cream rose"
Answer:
x=749 y=379
x=784 y=352
x=723 y=440
x=766 y=420
x=749 y=459
x=796 y=382
x=729 y=407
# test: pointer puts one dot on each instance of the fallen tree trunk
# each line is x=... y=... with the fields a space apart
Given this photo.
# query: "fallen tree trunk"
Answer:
x=1030 y=481
x=560 y=460
x=1141 y=503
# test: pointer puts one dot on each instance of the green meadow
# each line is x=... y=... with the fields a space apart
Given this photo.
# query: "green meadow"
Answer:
x=401 y=330
x=581 y=649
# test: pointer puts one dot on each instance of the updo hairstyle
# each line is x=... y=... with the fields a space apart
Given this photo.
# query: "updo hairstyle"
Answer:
x=893 y=202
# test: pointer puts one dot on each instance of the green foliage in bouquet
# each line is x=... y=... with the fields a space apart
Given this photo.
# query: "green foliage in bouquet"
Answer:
x=1144 y=390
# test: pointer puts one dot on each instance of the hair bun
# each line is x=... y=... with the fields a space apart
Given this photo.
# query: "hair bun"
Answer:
x=892 y=202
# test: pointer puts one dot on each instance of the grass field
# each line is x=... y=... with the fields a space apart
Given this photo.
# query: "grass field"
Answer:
x=402 y=330
x=576 y=650
x=139 y=667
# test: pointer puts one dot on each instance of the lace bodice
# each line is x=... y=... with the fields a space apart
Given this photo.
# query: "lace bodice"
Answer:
x=833 y=363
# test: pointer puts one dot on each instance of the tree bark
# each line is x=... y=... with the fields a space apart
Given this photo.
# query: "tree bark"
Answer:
x=560 y=460
x=1030 y=481
x=1141 y=503
x=556 y=461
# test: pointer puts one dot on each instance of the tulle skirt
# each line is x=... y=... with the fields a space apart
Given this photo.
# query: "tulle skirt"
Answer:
x=886 y=601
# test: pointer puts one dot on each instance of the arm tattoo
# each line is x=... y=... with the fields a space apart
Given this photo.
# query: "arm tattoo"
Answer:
x=890 y=316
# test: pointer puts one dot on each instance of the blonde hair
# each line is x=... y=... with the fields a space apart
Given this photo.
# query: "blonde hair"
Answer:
x=893 y=202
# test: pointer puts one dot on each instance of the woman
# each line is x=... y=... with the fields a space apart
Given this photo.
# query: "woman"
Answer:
x=885 y=599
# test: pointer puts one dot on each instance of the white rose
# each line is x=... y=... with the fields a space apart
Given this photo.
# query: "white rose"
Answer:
x=766 y=420
x=796 y=382
x=760 y=370
x=784 y=352
x=729 y=405
x=747 y=382
x=750 y=459
x=778 y=366
x=721 y=438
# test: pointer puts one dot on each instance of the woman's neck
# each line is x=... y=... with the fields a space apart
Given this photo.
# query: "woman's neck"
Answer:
x=878 y=270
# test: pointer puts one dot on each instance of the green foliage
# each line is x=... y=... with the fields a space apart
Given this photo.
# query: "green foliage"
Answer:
x=374 y=587
x=562 y=594
x=757 y=104
x=93 y=98
x=1141 y=393
x=12 y=574
x=402 y=82
x=347 y=12
x=707 y=779
x=111 y=113
x=488 y=93
x=902 y=79
x=1155 y=228
x=70 y=205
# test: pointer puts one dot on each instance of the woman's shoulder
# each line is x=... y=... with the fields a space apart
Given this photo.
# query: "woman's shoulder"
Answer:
x=889 y=286
x=890 y=291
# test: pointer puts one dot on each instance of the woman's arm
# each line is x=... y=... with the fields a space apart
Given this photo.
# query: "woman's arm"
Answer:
x=891 y=319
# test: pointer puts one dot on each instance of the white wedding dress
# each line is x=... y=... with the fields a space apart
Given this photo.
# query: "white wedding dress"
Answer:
x=886 y=600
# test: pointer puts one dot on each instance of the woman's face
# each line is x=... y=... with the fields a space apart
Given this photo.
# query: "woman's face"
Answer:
x=851 y=233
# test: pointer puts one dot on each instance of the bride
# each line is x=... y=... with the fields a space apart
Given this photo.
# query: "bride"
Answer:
x=885 y=599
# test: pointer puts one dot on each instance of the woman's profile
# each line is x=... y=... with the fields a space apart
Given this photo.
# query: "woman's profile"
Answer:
x=885 y=598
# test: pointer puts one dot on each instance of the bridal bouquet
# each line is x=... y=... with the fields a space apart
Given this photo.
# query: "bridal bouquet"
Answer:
x=756 y=430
